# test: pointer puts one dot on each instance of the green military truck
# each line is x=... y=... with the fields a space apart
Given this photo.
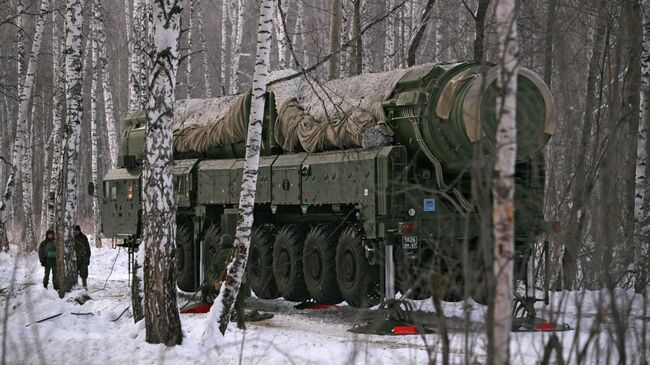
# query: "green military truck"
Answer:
x=364 y=186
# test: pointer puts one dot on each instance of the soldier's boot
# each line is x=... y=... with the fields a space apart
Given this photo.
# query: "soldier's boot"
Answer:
x=85 y=284
x=45 y=284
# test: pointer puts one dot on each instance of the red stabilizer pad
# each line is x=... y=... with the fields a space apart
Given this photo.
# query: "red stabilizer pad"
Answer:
x=547 y=326
x=197 y=308
x=405 y=330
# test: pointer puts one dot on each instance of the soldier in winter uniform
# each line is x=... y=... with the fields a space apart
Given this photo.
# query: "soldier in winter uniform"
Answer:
x=82 y=251
x=47 y=256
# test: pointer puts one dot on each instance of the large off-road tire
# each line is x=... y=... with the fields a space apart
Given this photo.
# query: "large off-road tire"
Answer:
x=185 y=267
x=319 y=265
x=357 y=279
x=211 y=244
x=260 y=263
x=287 y=263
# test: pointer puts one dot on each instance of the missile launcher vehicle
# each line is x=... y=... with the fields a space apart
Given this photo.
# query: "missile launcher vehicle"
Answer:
x=365 y=183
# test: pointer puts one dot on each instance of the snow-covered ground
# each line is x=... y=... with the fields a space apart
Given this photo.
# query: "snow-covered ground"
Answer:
x=90 y=333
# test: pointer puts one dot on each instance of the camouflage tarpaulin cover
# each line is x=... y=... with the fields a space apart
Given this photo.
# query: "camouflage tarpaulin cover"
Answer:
x=337 y=114
x=301 y=129
x=203 y=123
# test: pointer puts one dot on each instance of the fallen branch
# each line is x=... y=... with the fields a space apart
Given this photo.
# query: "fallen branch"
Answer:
x=121 y=314
x=45 y=319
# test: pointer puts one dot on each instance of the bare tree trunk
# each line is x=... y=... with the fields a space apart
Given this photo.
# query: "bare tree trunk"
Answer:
x=389 y=51
x=577 y=214
x=641 y=227
x=204 y=50
x=22 y=126
x=334 y=40
x=58 y=103
x=159 y=234
x=301 y=30
x=549 y=38
x=188 y=64
x=74 y=117
x=107 y=88
x=356 y=56
x=479 y=40
x=414 y=43
x=29 y=243
x=94 y=27
x=220 y=312
x=503 y=187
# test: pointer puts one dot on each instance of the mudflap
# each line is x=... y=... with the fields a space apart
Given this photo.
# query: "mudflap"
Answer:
x=396 y=320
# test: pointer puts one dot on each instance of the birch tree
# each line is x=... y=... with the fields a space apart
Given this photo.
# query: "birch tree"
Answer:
x=224 y=49
x=503 y=186
x=300 y=29
x=136 y=55
x=641 y=187
x=28 y=186
x=237 y=30
x=220 y=311
x=162 y=321
x=281 y=33
x=356 y=54
x=74 y=117
x=22 y=126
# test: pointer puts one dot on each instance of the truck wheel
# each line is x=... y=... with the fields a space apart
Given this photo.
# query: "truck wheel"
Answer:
x=357 y=279
x=260 y=263
x=185 y=268
x=287 y=263
x=319 y=265
x=211 y=240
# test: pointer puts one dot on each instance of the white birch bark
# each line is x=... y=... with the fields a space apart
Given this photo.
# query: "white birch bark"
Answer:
x=127 y=24
x=22 y=131
x=236 y=50
x=146 y=49
x=94 y=27
x=136 y=54
x=224 y=48
x=188 y=70
x=281 y=33
x=220 y=312
x=204 y=52
x=503 y=188
x=162 y=320
x=46 y=183
x=641 y=183
x=74 y=117
x=344 y=37
x=137 y=284
x=20 y=42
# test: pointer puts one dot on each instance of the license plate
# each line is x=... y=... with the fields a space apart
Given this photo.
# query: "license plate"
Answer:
x=409 y=242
